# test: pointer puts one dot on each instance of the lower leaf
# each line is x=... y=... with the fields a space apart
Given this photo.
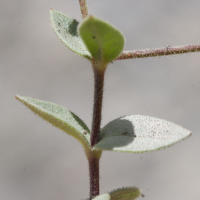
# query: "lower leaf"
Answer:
x=102 y=197
x=128 y=193
x=59 y=117
x=137 y=133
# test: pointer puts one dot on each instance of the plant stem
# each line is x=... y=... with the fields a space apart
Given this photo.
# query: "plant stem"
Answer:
x=83 y=7
x=94 y=155
x=94 y=175
x=159 y=52
x=97 y=107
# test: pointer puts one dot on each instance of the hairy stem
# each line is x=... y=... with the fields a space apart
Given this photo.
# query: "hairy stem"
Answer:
x=168 y=50
x=94 y=155
x=97 y=108
x=94 y=176
x=83 y=7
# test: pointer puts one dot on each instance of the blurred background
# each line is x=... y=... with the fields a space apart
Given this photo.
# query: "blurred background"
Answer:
x=38 y=162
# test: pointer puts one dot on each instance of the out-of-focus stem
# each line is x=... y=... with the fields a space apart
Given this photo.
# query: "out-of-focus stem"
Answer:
x=168 y=50
x=83 y=7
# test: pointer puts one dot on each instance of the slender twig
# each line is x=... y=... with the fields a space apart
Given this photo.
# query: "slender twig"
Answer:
x=168 y=50
x=83 y=7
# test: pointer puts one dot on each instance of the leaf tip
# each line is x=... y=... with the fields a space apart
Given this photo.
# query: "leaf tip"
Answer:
x=51 y=10
x=19 y=98
x=16 y=96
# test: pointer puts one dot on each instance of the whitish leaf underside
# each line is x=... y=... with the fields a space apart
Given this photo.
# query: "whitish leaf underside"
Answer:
x=102 y=197
x=137 y=133
x=66 y=29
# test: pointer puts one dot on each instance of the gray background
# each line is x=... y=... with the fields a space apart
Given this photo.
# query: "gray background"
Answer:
x=38 y=162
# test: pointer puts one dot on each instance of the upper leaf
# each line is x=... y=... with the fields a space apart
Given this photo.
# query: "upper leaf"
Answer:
x=103 y=41
x=66 y=29
x=137 y=133
x=59 y=117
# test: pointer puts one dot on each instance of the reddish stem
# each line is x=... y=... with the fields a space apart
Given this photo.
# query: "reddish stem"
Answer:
x=159 y=52
x=83 y=7
x=97 y=108
x=94 y=176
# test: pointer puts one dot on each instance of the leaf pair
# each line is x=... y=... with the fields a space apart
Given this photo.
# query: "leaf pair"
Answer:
x=102 y=42
x=134 y=133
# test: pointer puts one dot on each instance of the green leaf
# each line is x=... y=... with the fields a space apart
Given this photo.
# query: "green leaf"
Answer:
x=129 y=193
x=59 y=117
x=66 y=29
x=102 y=197
x=103 y=41
x=137 y=133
